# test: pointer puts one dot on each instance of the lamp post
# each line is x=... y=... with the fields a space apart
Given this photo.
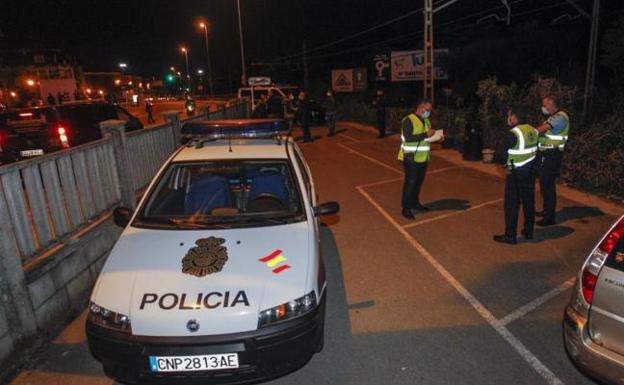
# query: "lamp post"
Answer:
x=188 y=74
x=240 y=32
x=205 y=27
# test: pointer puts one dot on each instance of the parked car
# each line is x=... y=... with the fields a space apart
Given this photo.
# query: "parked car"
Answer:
x=218 y=275
x=593 y=321
x=35 y=131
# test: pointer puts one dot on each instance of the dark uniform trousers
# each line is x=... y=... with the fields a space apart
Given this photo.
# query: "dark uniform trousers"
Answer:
x=381 y=123
x=520 y=190
x=548 y=167
x=414 y=178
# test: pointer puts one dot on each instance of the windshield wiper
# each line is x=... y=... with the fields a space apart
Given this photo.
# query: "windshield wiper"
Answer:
x=180 y=224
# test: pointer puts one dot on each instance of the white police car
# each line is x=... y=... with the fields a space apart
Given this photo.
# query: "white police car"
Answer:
x=217 y=276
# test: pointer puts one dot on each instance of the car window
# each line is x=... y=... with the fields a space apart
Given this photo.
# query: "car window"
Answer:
x=237 y=193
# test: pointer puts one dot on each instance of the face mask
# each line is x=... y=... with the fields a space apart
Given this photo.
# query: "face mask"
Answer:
x=545 y=111
x=426 y=114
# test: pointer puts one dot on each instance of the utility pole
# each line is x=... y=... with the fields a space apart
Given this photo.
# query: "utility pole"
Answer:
x=242 y=48
x=306 y=82
x=591 y=59
x=428 y=73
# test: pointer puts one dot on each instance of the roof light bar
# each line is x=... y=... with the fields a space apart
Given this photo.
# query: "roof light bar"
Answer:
x=235 y=128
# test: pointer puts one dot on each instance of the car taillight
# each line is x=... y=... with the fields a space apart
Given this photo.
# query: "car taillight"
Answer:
x=597 y=259
x=62 y=133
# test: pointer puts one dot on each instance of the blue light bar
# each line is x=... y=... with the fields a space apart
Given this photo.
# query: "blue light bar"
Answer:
x=234 y=128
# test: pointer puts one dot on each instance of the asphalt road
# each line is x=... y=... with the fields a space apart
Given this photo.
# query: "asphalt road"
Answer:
x=432 y=301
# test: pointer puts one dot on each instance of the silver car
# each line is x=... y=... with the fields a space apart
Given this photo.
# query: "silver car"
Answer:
x=593 y=322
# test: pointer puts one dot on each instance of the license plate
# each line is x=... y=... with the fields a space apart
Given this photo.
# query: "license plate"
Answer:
x=193 y=363
x=27 y=153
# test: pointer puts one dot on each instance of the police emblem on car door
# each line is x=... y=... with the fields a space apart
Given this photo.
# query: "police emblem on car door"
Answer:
x=209 y=256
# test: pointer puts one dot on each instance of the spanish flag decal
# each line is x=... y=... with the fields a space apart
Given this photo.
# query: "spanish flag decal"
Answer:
x=275 y=261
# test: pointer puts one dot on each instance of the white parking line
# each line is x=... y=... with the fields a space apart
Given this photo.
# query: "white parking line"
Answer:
x=414 y=224
x=382 y=164
x=381 y=182
x=350 y=138
x=529 y=307
x=515 y=343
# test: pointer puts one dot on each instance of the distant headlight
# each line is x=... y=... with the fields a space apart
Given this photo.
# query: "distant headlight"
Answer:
x=288 y=310
x=109 y=319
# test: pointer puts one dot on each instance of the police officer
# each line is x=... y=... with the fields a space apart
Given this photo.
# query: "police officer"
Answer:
x=553 y=135
x=414 y=153
x=380 y=110
x=521 y=148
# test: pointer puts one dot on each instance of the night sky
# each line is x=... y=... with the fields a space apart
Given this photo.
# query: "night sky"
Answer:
x=147 y=35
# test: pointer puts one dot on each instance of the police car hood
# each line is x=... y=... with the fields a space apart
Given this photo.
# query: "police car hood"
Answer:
x=221 y=279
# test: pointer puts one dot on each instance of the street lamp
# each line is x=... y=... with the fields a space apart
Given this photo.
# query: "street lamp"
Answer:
x=240 y=33
x=30 y=82
x=205 y=27
x=188 y=74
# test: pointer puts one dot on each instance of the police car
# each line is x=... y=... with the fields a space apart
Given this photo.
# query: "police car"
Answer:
x=217 y=276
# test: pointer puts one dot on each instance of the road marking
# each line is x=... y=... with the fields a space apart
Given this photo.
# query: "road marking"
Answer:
x=529 y=307
x=515 y=343
x=414 y=224
x=381 y=182
x=382 y=164
x=350 y=138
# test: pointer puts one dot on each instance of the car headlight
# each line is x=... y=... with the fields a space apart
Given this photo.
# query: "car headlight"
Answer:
x=108 y=318
x=288 y=310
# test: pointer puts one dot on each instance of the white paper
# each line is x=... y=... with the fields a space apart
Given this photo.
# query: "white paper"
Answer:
x=437 y=135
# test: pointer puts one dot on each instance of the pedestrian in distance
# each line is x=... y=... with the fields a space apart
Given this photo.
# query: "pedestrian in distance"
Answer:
x=414 y=153
x=51 y=100
x=380 y=110
x=553 y=135
x=520 y=148
x=303 y=116
x=149 y=108
x=330 y=112
x=288 y=105
x=59 y=97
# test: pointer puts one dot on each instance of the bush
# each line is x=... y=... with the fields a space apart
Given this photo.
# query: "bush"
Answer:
x=351 y=108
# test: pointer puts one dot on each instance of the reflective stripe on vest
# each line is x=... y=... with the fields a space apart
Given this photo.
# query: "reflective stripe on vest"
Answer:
x=525 y=148
x=421 y=148
x=550 y=140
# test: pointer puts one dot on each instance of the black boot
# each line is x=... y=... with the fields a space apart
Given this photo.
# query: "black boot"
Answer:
x=407 y=213
x=504 y=238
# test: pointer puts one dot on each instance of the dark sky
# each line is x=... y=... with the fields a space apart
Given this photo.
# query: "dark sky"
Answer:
x=147 y=35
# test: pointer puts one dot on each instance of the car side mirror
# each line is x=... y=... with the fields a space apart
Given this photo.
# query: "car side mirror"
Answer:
x=121 y=216
x=327 y=208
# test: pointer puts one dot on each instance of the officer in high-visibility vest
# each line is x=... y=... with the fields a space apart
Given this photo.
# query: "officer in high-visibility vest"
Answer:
x=521 y=148
x=414 y=153
x=552 y=140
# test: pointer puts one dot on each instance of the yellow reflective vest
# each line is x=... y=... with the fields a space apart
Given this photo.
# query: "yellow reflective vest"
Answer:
x=421 y=148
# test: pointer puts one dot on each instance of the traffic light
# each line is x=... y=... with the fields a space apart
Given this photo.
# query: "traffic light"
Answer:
x=170 y=78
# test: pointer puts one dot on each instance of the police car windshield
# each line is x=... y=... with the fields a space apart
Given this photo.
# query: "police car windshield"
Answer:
x=220 y=194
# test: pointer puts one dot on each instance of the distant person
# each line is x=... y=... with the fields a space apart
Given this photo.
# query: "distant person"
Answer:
x=77 y=95
x=288 y=105
x=59 y=97
x=274 y=105
x=520 y=149
x=553 y=135
x=303 y=116
x=149 y=108
x=414 y=153
x=260 y=109
x=330 y=112
x=380 y=110
x=51 y=100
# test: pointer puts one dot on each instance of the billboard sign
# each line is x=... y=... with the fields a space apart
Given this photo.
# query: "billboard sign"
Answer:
x=410 y=65
x=349 y=80
x=381 y=67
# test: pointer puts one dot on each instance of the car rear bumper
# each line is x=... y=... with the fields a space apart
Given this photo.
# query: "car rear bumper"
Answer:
x=590 y=357
x=263 y=354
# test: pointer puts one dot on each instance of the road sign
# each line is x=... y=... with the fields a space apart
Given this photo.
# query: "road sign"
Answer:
x=259 y=81
x=349 y=80
x=409 y=65
x=381 y=66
